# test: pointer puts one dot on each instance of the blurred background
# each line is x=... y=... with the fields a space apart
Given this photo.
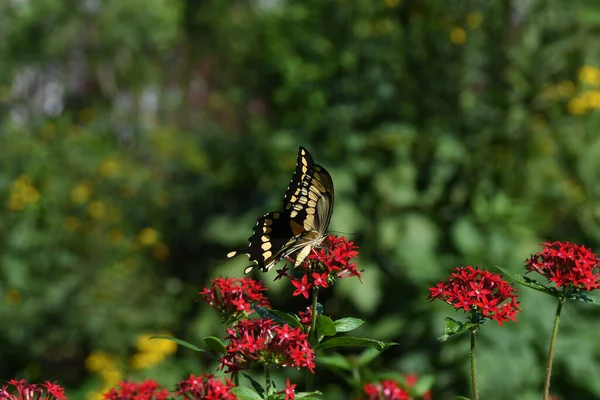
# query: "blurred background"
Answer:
x=141 y=139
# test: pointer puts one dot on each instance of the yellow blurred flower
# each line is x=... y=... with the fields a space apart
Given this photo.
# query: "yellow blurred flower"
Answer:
x=592 y=98
x=392 y=3
x=71 y=223
x=148 y=236
x=577 y=106
x=96 y=394
x=48 y=130
x=81 y=193
x=111 y=375
x=145 y=360
x=96 y=209
x=160 y=251
x=589 y=75
x=99 y=360
x=87 y=115
x=474 y=19
x=109 y=168
x=566 y=88
x=115 y=236
x=22 y=193
x=13 y=297
x=383 y=26
x=458 y=35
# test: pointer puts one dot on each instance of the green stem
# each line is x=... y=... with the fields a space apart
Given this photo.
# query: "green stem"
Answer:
x=267 y=380
x=551 y=350
x=236 y=378
x=473 y=368
x=312 y=335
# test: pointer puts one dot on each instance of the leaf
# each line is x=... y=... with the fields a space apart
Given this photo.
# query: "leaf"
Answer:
x=244 y=393
x=461 y=398
x=349 y=341
x=257 y=386
x=188 y=345
x=585 y=297
x=267 y=313
x=303 y=395
x=453 y=327
x=325 y=326
x=347 y=324
x=215 y=344
x=366 y=356
x=529 y=282
x=424 y=383
x=290 y=319
x=335 y=361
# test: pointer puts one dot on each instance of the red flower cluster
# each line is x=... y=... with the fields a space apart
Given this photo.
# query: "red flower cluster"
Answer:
x=233 y=297
x=147 y=390
x=385 y=390
x=566 y=264
x=25 y=390
x=289 y=390
x=263 y=342
x=324 y=265
x=205 y=386
x=478 y=291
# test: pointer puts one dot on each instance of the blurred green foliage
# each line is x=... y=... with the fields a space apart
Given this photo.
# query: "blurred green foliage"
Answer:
x=139 y=141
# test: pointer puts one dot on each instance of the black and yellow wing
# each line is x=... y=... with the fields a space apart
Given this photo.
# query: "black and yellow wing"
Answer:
x=301 y=226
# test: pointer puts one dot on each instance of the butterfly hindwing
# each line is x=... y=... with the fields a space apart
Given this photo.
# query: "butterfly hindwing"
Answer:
x=270 y=234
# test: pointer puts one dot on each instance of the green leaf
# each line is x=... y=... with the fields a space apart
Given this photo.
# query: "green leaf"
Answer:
x=179 y=341
x=304 y=395
x=461 y=398
x=257 y=386
x=424 y=384
x=366 y=356
x=349 y=341
x=335 y=361
x=290 y=319
x=244 y=393
x=215 y=344
x=347 y=324
x=453 y=327
x=325 y=326
x=529 y=282
x=267 y=313
x=585 y=297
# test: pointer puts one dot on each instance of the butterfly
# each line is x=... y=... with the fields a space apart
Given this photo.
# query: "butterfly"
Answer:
x=303 y=223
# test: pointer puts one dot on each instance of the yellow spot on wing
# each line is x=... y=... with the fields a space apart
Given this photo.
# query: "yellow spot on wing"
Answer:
x=231 y=254
x=267 y=254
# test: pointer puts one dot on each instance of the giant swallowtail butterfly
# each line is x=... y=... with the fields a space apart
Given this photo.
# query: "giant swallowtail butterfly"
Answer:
x=303 y=223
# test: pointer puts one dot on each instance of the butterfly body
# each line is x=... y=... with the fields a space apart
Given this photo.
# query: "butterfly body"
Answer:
x=303 y=223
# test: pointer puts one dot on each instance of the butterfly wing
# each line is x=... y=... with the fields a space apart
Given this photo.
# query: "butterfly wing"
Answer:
x=303 y=163
x=268 y=242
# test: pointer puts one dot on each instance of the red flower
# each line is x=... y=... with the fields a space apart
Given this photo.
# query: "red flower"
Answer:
x=302 y=286
x=478 y=291
x=411 y=380
x=264 y=342
x=566 y=264
x=232 y=297
x=385 y=390
x=289 y=390
x=306 y=317
x=322 y=266
x=26 y=390
x=147 y=390
x=205 y=386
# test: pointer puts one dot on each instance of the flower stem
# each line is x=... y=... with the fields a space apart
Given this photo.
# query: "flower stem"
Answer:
x=551 y=350
x=473 y=368
x=267 y=380
x=312 y=335
x=236 y=378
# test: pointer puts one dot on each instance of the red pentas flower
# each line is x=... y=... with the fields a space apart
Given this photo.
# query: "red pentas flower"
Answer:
x=385 y=390
x=264 y=342
x=31 y=391
x=205 y=386
x=324 y=265
x=478 y=291
x=566 y=264
x=147 y=390
x=233 y=297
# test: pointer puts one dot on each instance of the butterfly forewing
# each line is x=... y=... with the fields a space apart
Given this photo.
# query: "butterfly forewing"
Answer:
x=303 y=163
